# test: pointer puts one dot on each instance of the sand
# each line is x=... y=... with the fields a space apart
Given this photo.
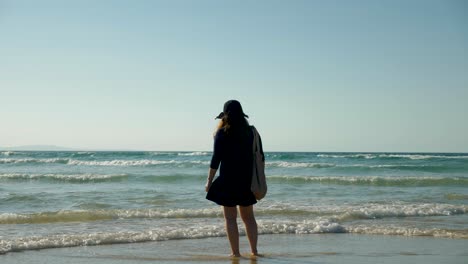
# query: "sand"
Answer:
x=316 y=248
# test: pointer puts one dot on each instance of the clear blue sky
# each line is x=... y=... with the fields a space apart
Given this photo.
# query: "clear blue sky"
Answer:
x=313 y=75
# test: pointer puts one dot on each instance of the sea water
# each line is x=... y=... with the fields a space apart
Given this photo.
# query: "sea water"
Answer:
x=74 y=198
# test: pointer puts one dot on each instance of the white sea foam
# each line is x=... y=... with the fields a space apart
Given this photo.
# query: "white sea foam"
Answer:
x=84 y=154
x=160 y=234
x=7 y=153
x=376 y=180
x=64 y=177
x=378 y=211
x=407 y=231
x=422 y=156
x=341 y=213
x=197 y=153
x=98 y=215
x=366 y=156
x=121 y=162
x=286 y=164
x=344 y=213
x=299 y=227
x=135 y=162
x=101 y=238
x=400 y=156
x=171 y=232
x=391 y=166
x=145 y=162
x=30 y=160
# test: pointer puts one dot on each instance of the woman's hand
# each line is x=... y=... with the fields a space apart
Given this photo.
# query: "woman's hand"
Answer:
x=207 y=185
x=209 y=181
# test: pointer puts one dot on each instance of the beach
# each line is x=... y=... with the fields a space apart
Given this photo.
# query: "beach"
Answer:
x=114 y=112
x=315 y=248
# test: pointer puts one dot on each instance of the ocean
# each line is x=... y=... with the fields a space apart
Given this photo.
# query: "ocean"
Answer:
x=75 y=198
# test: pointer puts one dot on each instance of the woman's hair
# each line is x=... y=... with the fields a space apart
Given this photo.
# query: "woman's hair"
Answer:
x=235 y=125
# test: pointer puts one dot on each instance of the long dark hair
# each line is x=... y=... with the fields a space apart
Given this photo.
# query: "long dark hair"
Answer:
x=234 y=125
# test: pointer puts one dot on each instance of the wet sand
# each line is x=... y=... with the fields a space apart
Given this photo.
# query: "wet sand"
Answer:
x=316 y=248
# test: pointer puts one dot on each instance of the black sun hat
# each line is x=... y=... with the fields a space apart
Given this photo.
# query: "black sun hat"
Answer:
x=232 y=108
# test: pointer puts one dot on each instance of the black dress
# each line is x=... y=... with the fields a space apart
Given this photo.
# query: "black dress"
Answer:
x=232 y=186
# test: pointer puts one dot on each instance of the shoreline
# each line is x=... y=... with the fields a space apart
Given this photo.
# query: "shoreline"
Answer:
x=278 y=248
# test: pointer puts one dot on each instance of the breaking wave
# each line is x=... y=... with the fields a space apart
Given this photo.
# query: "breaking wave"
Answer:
x=341 y=213
x=205 y=231
x=375 y=180
x=144 y=162
x=412 y=156
x=74 y=178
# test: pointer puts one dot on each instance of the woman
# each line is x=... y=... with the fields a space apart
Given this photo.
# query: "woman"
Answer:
x=233 y=149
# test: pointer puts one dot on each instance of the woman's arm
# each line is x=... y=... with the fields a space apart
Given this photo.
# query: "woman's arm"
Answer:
x=209 y=181
x=215 y=160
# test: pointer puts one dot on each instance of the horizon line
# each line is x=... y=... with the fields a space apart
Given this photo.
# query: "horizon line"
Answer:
x=66 y=149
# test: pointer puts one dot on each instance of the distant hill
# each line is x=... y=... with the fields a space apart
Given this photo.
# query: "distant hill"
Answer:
x=37 y=148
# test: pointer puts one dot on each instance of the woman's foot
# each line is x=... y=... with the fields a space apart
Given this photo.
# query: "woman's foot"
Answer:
x=235 y=255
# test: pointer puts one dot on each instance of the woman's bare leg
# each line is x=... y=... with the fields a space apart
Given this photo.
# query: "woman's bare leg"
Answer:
x=230 y=216
x=250 y=223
